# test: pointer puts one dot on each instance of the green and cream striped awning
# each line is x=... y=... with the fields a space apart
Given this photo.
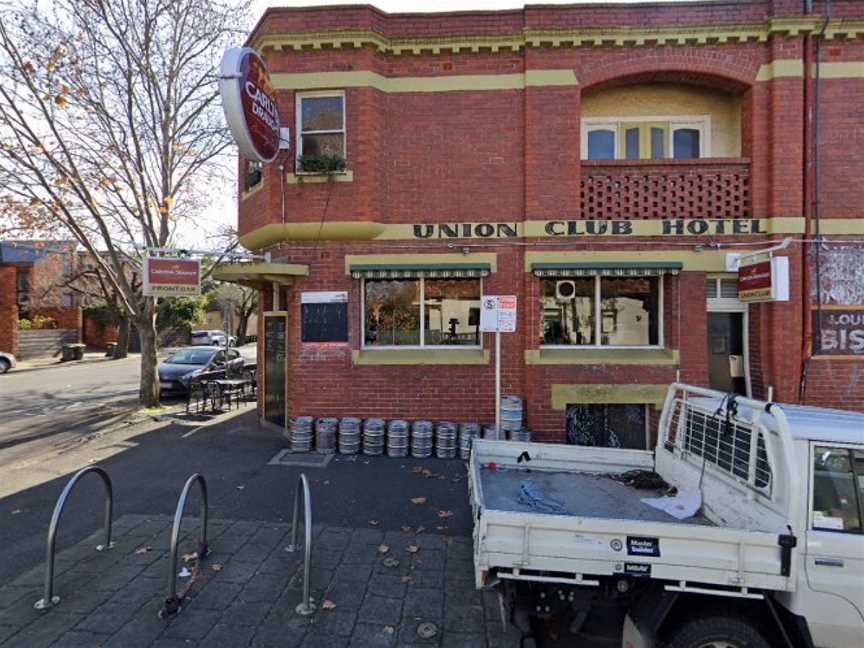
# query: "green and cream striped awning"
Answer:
x=414 y=270
x=606 y=269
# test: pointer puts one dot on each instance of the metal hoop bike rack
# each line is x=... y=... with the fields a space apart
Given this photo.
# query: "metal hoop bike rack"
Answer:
x=306 y=606
x=172 y=601
x=48 y=599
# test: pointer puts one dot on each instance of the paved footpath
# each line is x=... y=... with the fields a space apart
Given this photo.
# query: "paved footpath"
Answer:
x=371 y=587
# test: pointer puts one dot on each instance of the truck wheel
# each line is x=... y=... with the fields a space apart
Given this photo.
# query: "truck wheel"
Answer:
x=717 y=632
x=5 y=365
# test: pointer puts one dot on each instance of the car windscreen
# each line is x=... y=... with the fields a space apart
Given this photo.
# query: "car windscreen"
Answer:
x=190 y=357
x=200 y=334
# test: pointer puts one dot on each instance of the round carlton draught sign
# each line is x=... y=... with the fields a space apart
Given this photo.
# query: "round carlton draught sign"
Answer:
x=249 y=103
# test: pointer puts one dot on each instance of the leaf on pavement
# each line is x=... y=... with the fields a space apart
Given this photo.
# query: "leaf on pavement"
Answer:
x=418 y=500
x=389 y=629
x=217 y=567
x=383 y=548
x=406 y=529
x=413 y=549
x=445 y=514
x=427 y=473
x=327 y=604
x=16 y=511
x=142 y=550
x=190 y=556
x=374 y=523
x=417 y=469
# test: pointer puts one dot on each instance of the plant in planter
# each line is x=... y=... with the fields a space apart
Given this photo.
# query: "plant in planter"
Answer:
x=323 y=164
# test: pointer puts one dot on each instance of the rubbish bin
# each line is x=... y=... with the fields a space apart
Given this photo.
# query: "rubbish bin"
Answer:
x=73 y=352
x=110 y=349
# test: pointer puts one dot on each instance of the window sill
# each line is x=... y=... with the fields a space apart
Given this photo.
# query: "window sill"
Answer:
x=251 y=191
x=601 y=356
x=302 y=177
x=420 y=357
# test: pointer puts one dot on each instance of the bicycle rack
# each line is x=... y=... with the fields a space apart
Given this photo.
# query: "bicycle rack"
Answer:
x=172 y=602
x=306 y=606
x=48 y=599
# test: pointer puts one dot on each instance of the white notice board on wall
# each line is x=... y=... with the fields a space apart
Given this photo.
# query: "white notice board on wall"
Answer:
x=498 y=313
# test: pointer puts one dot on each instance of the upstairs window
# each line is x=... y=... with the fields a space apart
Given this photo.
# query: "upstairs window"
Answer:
x=650 y=138
x=252 y=176
x=321 y=125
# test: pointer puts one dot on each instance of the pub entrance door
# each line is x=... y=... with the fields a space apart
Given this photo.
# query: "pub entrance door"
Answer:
x=728 y=353
x=275 y=356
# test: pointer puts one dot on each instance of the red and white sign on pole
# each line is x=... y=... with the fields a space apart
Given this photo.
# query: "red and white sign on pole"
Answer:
x=249 y=104
x=498 y=315
x=171 y=277
x=763 y=278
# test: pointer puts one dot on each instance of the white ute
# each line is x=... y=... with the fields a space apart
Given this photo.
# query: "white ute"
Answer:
x=768 y=550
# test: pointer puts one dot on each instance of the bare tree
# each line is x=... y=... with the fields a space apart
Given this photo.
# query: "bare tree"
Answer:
x=110 y=127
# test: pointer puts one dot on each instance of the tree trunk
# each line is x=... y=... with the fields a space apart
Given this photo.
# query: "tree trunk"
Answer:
x=149 y=391
x=123 y=325
x=242 y=325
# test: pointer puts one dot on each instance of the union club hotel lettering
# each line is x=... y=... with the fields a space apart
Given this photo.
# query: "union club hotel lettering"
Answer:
x=579 y=228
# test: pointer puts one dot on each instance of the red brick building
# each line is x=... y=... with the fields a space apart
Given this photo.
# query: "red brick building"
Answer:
x=602 y=163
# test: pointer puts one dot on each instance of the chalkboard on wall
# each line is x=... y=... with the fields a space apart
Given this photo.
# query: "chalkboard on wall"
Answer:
x=324 y=317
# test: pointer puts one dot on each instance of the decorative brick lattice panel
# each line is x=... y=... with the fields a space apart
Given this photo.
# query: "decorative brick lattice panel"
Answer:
x=718 y=188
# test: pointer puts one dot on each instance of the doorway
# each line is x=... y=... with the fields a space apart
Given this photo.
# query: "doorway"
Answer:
x=727 y=337
x=275 y=355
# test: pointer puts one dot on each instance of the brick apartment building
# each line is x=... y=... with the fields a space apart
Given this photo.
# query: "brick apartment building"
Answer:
x=601 y=163
x=34 y=278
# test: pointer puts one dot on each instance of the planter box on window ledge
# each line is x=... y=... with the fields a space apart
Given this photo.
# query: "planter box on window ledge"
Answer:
x=320 y=164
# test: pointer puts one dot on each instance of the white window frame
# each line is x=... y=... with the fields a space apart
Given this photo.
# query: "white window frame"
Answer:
x=699 y=122
x=422 y=345
x=298 y=113
x=598 y=313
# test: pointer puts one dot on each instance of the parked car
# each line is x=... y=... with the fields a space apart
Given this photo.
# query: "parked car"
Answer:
x=7 y=362
x=178 y=369
x=212 y=338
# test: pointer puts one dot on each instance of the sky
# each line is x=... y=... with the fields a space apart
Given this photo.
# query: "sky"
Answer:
x=223 y=211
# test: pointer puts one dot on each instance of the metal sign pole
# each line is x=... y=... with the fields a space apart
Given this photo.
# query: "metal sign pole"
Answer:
x=498 y=384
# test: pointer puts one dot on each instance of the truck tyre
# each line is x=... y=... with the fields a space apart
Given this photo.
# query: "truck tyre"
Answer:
x=5 y=365
x=717 y=632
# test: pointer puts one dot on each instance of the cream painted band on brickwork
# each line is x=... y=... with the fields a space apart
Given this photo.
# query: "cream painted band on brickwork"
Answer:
x=251 y=192
x=592 y=356
x=794 y=68
x=420 y=356
x=604 y=394
x=449 y=83
x=842 y=226
x=501 y=231
x=705 y=261
x=443 y=259
x=318 y=178
x=619 y=37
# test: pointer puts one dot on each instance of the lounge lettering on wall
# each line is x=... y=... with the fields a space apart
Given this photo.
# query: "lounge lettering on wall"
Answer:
x=588 y=228
x=842 y=330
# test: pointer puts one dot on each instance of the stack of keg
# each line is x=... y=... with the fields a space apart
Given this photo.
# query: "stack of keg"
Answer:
x=522 y=434
x=511 y=416
x=349 y=435
x=489 y=432
x=421 y=439
x=397 y=438
x=373 y=436
x=300 y=434
x=467 y=433
x=325 y=435
x=445 y=440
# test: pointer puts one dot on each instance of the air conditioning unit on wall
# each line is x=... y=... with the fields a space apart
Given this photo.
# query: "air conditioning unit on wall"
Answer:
x=565 y=290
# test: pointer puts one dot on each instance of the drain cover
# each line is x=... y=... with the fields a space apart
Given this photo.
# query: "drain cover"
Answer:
x=305 y=460
x=427 y=630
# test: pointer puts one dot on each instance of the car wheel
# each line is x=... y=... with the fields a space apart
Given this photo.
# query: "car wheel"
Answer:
x=5 y=365
x=717 y=632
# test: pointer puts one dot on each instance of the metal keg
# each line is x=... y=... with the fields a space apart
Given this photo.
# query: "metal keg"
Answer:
x=511 y=415
x=421 y=439
x=325 y=435
x=522 y=434
x=467 y=433
x=349 y=435
x=489 y=432
x=397 y=438
x=445 y=440
x=373 y=437
x=300 y=433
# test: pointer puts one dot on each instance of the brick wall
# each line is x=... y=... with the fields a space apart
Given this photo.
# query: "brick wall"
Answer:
x=97 y=335
x=8 y=310
x=514 y=155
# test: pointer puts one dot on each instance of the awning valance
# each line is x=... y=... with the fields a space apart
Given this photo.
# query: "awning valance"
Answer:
x=606 y=269
x=414 y=270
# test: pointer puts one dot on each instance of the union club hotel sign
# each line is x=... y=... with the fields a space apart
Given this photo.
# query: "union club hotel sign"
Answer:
x=589 y=228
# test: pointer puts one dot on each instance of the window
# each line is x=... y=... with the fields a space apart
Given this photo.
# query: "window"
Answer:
x=425 y=312
x=321 y=124
x=66 y=300
x=646 y=138
x=601 y=311
x=608 y=426
x=253 y=175
x=838 y=489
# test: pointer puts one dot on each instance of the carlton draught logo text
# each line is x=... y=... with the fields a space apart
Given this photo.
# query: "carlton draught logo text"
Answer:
x=171 y=277
x=249 y=103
